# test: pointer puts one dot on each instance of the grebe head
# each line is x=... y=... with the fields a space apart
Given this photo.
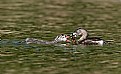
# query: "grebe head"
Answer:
x=62 y=37
x=80 y=32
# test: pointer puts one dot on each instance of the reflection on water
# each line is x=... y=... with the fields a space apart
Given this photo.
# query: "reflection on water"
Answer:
x=45 y=19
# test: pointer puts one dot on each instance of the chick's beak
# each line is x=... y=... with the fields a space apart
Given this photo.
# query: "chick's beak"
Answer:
x=68 y=39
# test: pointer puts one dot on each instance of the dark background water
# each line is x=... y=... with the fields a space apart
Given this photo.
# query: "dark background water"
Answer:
x=44 y=19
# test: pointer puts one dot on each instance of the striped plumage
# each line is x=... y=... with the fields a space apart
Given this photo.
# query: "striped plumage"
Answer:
x=60 y=38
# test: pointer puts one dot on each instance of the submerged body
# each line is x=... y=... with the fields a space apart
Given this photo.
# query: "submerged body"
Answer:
x=60 y=38
x=84 y=39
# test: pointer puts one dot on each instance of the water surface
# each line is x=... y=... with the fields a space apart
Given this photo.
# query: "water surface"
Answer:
x=45 y=19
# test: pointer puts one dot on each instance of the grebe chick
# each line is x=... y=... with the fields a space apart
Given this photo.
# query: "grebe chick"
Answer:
x=60 y=38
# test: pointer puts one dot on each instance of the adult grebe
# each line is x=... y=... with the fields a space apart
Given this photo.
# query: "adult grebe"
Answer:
x=84 y=39
x=60 y=38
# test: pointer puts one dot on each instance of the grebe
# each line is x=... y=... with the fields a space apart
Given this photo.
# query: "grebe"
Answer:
x=84 y=39
x=60 y=38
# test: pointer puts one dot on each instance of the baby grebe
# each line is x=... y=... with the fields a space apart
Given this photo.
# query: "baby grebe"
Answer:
x=60 y=38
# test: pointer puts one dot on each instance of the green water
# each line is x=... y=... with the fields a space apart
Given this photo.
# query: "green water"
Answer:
x=45 y=19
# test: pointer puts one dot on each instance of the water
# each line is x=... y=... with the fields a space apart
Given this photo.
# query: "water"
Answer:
x=45 y=19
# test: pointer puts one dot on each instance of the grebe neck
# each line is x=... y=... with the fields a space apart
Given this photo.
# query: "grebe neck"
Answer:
x=84 y=35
